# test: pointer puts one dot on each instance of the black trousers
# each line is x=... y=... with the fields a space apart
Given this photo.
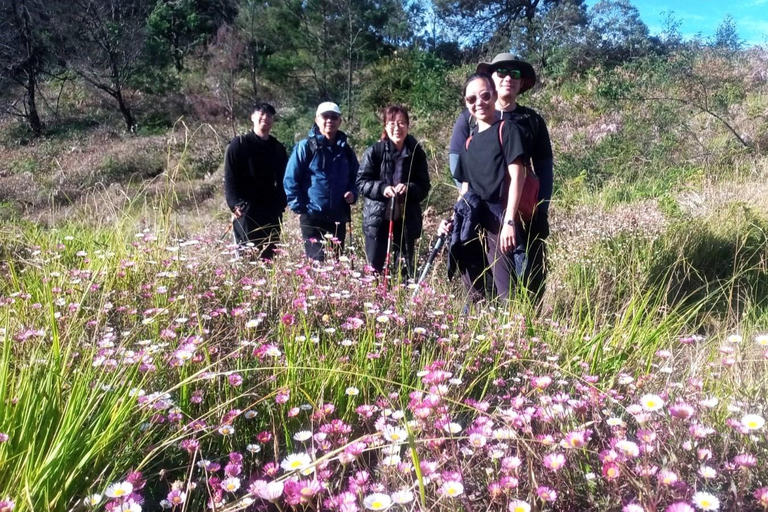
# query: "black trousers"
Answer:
x=314 y=231
x=489 y=272
x=402 y=247
x=260 y=229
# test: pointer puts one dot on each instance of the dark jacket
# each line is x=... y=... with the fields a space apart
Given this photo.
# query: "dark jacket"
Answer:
x=464 y=238
x=253 y=174
x=319 y=174
x=377 y=173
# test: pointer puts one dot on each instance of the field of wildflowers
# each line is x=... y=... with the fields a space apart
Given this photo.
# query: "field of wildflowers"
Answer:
x=144 y=367
x=144 y=371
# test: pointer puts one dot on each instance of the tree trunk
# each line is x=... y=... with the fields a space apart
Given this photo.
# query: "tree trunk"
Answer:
x=349 y=79
x=30 y=66
x=178 y=54
x=31 y=105
x=530 y=10
x=130 y=122
x=254 y=49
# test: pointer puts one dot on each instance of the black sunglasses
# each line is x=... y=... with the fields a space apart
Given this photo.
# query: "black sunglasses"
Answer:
x=512 y=73
x=484 y=96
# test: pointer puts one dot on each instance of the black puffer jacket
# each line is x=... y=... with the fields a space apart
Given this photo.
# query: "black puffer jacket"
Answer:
x=377 y=172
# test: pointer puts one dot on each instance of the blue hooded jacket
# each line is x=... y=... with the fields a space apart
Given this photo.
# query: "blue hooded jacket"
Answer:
x=316 y=180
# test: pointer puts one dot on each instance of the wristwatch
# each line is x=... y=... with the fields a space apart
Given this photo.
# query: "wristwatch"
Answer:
x=510 y=222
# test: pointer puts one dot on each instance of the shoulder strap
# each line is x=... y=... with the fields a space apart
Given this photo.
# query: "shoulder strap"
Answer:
x=501 y=139
x=311 y=147
x=471 y=124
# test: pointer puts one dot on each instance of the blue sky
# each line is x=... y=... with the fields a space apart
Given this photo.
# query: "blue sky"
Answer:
x=703 y=16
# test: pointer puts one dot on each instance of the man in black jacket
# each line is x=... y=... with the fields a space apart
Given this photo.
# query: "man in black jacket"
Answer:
x=254 y=167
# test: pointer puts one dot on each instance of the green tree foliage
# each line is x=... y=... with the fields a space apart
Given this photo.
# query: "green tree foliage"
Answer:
x=483 y=21
x=727 y=36
x=319 y=46
x=670 y=37
x=178 y=27
x=261 y=26
x=616 y=33
x=25 y=55
x=568 y=38
x=415 y=77
x=553 y=40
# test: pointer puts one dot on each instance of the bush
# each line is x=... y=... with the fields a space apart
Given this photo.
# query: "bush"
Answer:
x=122 y=166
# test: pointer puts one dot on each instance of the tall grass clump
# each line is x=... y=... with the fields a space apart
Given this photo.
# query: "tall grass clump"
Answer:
x=713 y=264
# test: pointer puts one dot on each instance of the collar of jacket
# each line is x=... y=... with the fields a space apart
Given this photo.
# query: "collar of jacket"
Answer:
x=341 y=137
x=410 y=143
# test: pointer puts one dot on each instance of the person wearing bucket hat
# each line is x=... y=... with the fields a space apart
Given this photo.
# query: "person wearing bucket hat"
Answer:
x=512 y=77
x=507 y=61
x=320 y=182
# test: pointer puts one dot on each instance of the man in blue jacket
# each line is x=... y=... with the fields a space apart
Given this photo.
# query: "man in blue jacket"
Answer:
x=320 y=182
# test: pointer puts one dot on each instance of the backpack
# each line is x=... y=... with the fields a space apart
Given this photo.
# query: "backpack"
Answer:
x=349 y=153
x=529 y=130
x=529 y=199
x=312 y=149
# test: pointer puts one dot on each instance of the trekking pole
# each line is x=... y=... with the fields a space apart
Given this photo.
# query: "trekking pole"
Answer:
x=389 y=239
x=428 y=265
x=235 y=241
x=351 y=233
x=226 y=231
x=405 y=252
x=351 y=250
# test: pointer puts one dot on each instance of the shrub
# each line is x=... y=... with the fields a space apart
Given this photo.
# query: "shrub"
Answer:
x=138 y=162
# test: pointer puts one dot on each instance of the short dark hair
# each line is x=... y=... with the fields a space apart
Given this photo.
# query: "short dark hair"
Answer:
x=390 y=113
x=263 y=106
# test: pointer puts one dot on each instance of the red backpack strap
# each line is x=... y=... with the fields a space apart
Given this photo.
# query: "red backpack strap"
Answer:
x=501 y=144
x=466 y=144
x=527 y=164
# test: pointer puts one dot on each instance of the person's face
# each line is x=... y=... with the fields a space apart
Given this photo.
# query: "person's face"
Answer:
x=329 y=123
x=262 y=122
x=397 y=129
x=480 y=100
x=508 y=81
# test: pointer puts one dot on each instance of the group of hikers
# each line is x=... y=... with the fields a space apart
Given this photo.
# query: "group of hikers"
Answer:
x=500 y=157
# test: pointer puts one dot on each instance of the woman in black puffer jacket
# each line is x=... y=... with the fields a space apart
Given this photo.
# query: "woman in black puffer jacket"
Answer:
x=396 y=166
